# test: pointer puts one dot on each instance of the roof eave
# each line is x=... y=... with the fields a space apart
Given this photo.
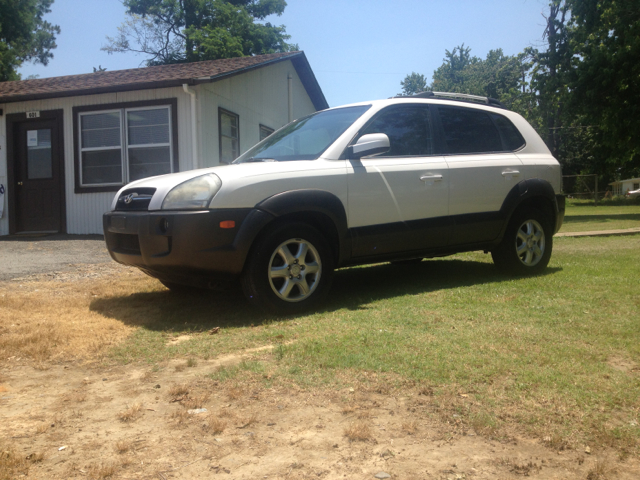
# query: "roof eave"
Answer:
x=299 y=61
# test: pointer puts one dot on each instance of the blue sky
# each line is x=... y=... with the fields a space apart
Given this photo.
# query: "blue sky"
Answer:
x=359 y=50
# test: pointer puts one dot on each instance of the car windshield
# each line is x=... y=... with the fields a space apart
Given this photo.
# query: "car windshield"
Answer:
x=306 y=138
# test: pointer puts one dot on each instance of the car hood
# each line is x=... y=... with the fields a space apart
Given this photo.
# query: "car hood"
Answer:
x=227 y=173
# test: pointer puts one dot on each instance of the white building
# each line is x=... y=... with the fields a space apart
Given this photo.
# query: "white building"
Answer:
x=67 y=144
x=624 y=186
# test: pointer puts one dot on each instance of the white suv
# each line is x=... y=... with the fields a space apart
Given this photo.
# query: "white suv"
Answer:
x=389 y=180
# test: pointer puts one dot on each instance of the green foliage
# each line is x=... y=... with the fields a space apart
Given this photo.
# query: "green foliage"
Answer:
x=605 y=75
x=581 y=93
x=414 y=83
x=174 y=31
x=24 y=35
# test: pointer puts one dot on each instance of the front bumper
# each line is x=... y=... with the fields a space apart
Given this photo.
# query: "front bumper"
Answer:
x=187 y=247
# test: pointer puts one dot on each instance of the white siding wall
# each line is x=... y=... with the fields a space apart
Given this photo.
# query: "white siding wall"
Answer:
x=84 y=211
x=257 y=97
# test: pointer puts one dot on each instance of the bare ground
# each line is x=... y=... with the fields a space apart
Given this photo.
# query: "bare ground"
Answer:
x=65 y=415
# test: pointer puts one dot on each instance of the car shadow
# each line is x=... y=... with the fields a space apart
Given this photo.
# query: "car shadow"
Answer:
x=353 y=289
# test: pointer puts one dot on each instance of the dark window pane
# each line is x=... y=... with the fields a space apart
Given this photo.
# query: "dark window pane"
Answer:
x=469 y=131
x=265 y=132
x=148 y=126
x=102 y=166
x=408 y=131
x=39 y=161
x=100 y=130
x=510 y=133
x=229 y=148
x=147 y=162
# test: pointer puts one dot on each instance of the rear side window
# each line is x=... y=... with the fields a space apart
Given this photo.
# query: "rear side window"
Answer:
x=407 y=128
x=511 y=136
x=469 y=131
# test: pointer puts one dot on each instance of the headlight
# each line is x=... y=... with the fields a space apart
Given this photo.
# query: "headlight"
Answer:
x=193 y=194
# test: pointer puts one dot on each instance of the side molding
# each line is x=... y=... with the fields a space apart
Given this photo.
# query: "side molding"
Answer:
x=312 y=200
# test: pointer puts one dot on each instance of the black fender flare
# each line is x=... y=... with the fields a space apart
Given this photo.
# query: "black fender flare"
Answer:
x=317 y=201
x=523 y=191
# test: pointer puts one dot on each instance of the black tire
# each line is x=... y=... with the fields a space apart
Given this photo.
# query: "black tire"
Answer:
x=292 y=286
x=527 y=244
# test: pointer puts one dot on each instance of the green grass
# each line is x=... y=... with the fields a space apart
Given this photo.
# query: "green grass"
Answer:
x=554 y=354
x=583 y=216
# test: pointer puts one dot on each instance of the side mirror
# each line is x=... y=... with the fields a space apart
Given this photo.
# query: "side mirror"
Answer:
x=370 y=144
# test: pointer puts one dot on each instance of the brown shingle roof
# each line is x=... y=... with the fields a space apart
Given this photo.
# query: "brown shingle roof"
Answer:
x=156 y=77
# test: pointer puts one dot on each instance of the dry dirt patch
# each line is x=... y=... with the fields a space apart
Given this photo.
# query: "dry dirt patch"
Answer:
x=64 y=415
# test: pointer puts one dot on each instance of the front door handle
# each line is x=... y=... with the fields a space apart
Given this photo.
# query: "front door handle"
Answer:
x=511 y=173
x=434 y=178
x=20 y=183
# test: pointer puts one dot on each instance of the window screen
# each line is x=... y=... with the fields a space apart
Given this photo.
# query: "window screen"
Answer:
x=469 y=131
x=229 y=136
x=407 y=128
x=265 y=132
x=120 y=146
x=149 y=143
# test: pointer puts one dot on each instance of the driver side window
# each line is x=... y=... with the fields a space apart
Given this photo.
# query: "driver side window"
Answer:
x=408 y=129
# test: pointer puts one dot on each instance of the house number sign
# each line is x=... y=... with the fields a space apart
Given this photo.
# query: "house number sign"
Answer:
x=35 y=114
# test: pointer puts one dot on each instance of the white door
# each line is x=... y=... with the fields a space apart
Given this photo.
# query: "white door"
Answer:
x=398 y=201
x=481 y=173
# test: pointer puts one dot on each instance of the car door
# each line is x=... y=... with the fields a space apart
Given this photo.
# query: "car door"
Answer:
x=481 y=172
x=398 y=200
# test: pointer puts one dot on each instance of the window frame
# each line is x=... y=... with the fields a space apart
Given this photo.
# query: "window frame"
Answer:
x=224 y=111
x=265 y=128
x=429 y=118
x=123 y=108
x=442 y=141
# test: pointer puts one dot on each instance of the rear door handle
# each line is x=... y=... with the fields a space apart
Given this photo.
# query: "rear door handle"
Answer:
x=434 y=178
x=511 y=173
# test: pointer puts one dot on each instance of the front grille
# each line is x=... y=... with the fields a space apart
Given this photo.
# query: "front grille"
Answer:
x=126 y=243
x=135 y=199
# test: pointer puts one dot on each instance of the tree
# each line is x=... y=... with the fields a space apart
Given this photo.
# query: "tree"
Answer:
x=414 y=83
x=24 y=35
x=605 y=76
x=175 y=31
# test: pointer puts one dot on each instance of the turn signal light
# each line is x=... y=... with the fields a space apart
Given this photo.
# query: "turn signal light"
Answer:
x=228 y=224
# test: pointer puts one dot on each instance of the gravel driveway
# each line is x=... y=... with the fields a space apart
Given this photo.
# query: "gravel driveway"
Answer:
x=21 y=256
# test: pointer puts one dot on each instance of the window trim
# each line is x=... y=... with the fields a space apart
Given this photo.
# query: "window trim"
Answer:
x=443 y=145
x=390 y=108
x=261 y=127
x=227 y=112
x=172 y=103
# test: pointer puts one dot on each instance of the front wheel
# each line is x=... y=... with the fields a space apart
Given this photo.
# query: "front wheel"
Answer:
x=289 y=270
x=527 y=244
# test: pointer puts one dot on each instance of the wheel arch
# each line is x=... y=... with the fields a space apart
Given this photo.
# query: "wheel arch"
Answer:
x=532 y=193
x=321 y=209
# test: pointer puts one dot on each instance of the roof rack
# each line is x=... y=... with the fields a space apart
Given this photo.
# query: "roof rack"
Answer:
x=460 y=97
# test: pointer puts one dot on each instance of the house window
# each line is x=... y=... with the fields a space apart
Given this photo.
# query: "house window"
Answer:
x=229 y=136
x=636 y=186
x=265 y=132
x=122 y=145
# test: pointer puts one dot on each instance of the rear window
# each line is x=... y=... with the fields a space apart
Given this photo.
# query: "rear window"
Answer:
x=511 y=136
x=469 y=131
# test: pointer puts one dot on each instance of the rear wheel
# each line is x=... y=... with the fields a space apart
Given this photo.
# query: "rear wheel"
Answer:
x=527 y=244
x=289 y=270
